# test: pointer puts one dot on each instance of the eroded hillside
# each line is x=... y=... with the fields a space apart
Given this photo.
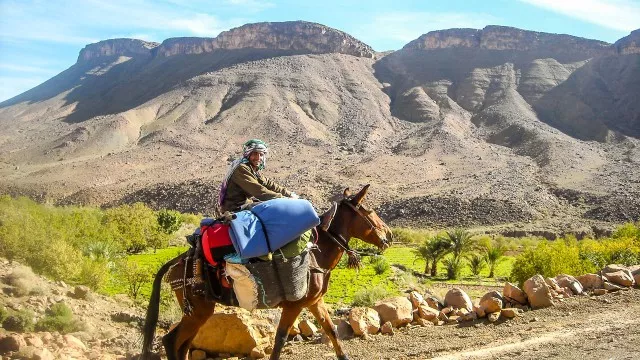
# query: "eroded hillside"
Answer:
x=497 y=127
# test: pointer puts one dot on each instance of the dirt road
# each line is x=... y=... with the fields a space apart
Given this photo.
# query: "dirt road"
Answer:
x=581 y=328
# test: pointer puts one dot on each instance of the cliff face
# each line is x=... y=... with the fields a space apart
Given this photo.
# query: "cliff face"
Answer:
x=507 y=38
x=629 y=44
x=116 y=47
x=295 y=36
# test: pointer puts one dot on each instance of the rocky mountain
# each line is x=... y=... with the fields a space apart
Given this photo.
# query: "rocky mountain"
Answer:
x=500 y=127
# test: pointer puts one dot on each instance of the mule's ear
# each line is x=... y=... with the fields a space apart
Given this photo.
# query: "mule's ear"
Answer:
x=360 y=196
x=346 y=192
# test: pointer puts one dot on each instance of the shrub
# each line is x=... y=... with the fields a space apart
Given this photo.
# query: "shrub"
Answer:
x=134 y=276
x=368 y=297
x=169 y=221
x=133 y=226
x=3 y=313
x=409 y=236
x=94 y=274
x=19 y=321
x=432 y=251
x=380 y=264
x=58 y=318
x=549 y=258
x=22 y=279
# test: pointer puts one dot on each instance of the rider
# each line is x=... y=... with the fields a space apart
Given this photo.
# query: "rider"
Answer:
x=244 y=183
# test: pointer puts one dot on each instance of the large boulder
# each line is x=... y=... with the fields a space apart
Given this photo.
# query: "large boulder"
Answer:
x=11 y=342
x=434 y=302
x=513 y=293
x=538 y=292
x=568 y=281
x=636 y=278
x=307 y=328
x=364 y=321
x=590 y=281
x=622 y=278
x=491 y=302
x=398 y=311
x=458 y=299
x=236 y=332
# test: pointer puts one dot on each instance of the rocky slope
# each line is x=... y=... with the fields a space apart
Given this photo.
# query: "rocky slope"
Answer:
x=498 y=127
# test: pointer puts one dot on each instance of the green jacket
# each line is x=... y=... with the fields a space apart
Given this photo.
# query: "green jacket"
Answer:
x=245 y=183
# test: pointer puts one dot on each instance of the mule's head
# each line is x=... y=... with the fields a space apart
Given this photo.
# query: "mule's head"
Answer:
x=361 y=222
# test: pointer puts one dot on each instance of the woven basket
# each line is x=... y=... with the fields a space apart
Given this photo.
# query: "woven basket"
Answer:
x=281 y=279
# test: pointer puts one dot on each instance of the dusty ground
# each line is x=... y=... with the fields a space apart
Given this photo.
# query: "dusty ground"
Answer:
x=604 y=327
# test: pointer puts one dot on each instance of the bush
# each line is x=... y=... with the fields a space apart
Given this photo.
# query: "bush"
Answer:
x=58 y=318
x=550 y=258
x=380 y=264
x=3 y=313
x=368 y=297
x=134 y=227
x=19 y=321
x=409 y=236
x=169 y=221
x=135 y=277
x=477 y=262
x=94 y=274
x=22 y=279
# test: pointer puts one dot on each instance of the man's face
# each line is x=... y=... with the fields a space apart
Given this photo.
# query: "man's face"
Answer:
x=256 y=158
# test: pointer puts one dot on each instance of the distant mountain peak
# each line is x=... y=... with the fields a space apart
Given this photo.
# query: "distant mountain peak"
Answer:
x=629 y=44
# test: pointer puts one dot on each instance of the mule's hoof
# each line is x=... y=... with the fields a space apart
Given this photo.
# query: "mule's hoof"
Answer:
x=343 y=357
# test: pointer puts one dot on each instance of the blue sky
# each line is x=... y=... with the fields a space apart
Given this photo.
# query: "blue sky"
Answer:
x=40 y=38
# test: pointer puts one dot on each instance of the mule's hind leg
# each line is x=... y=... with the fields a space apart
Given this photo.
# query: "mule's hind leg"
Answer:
x=319 y=311
x=288 y=317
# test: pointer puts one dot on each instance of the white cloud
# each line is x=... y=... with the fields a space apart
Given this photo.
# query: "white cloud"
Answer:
x=24 y=68
x=622 y=15
x=402 y=27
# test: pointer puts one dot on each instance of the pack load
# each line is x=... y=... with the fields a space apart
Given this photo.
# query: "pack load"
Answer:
x=262 y=283
x=270 y=225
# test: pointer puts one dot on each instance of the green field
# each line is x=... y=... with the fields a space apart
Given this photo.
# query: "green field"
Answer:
x=345 y=283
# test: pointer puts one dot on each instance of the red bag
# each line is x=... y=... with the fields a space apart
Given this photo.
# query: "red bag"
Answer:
x=216 y=242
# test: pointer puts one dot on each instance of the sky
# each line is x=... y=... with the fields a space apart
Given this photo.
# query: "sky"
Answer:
x=41 y=38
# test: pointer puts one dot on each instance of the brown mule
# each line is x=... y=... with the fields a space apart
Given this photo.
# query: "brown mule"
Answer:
x=351 y=219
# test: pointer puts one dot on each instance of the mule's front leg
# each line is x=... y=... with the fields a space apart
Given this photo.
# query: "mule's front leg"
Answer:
x=321 y=314
x=288 y=317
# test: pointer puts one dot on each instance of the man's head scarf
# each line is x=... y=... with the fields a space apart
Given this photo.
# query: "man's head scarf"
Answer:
x=251 y=146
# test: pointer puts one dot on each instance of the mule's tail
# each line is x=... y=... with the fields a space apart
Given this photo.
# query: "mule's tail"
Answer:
x=153 y=310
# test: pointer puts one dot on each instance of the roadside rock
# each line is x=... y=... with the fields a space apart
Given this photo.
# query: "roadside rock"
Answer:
x=364 y=321
x=307 y=328
x=538 y=292
x=387 y=328
x=428 y=313
x=568 y=281
x=434 y=302
x=622 y=278
x=398 y=311
x=458 y=299
x=236 y=333
x=416 y=299
x=510 y=313
x=612 y=287
x=590 y=281
x=512 y=293
x=12 y=342
x=491 y=302
x=493 y=317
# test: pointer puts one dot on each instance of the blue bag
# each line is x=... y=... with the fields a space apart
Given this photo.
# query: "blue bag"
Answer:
x=271 y=225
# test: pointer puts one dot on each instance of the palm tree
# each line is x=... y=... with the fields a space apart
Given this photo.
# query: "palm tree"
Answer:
x=432 y=251
x=461 y=242
x=494 y=254
x=476 y=263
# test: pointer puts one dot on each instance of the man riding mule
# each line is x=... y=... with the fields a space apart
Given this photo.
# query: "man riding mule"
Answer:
x=244 y=182
x=350 y=219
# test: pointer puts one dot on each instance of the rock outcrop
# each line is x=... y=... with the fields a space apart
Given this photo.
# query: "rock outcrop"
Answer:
x=116 y=47
x=507 y=38
x=629 y=44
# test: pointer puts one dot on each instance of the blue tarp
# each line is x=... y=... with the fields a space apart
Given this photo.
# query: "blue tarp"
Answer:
x=284 y=219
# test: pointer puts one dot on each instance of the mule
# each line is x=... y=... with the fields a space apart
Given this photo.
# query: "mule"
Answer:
x=351 y=219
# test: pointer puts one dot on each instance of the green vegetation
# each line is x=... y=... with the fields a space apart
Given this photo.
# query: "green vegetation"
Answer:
x=369 y=296
x=573 y=257
x=18 y=321
x=82 y=245
x=59 y=318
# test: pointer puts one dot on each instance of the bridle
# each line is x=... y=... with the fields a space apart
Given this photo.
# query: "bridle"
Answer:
x=354 y=256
